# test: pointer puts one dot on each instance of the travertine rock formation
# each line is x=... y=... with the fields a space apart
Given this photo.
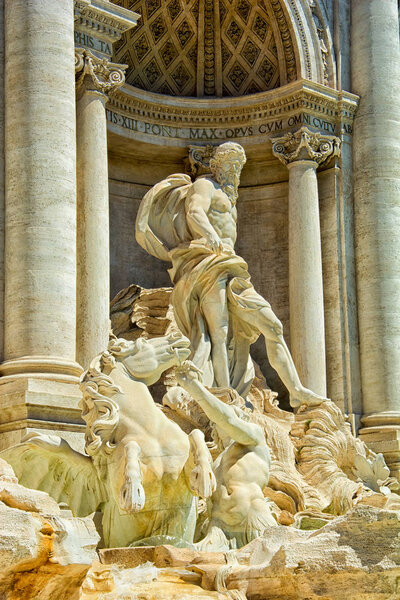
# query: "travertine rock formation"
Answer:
x=137 y=312
x=44 y=551
x=356 y=556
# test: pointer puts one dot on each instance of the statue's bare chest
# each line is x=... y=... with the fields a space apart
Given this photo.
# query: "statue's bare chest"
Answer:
x=220 y=202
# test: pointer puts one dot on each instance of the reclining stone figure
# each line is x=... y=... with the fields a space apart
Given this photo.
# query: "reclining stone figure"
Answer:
x=238 y=511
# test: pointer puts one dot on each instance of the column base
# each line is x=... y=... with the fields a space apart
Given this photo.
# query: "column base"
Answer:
x=43 y=367
x=381 y=433
x=36 y=403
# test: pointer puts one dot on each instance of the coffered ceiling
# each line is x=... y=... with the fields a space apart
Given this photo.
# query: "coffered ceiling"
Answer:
x=205 y=47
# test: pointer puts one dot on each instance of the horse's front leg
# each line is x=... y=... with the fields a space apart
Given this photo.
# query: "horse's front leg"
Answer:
x=199 y=466
x=131 y=495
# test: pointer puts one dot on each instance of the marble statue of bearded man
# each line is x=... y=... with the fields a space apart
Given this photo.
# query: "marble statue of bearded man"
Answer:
x=193 y=226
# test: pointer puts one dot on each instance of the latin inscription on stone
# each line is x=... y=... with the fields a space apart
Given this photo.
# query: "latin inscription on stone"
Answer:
x=88 y=41
x=219 y=133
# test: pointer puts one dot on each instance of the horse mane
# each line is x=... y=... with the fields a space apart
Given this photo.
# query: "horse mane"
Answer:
x=99 y=411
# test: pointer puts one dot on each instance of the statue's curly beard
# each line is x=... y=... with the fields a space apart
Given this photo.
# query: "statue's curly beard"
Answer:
x=229 y=186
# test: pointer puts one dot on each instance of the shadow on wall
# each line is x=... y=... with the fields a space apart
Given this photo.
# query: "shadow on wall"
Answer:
x=259 y=355
x=129 y=262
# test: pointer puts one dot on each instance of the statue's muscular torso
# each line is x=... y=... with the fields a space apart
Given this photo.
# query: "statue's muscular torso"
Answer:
x=223 y=215
x=220 y=211
x=239 y=494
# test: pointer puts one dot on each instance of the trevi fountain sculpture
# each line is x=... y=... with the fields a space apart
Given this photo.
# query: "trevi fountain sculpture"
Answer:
x=200 y=485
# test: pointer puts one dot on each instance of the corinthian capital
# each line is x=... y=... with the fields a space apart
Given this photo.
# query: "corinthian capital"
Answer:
x=304 y=144
x=97 y=73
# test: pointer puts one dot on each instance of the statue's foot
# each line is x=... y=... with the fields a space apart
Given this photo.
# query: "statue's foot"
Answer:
x=305 y=397
x=132 y=497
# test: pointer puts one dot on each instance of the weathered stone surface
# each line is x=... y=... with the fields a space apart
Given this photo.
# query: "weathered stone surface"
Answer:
x=144 y=582
x=16 y=496
x=42 y=554
x=168 y=556
x=22 y=545
x=356 y=556
x=127 y=557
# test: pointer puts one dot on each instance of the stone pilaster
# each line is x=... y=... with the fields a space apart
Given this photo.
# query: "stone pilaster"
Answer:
x=40 y=189
x=302 y=152
x=2 y=179
x=39 y=386
x=40 y=216
x=96 y=77
x=376 y=78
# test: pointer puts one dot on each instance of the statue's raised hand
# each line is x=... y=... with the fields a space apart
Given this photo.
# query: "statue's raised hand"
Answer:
x=187 y=373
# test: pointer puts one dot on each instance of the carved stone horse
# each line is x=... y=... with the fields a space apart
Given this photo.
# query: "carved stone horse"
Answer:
x=141 y=469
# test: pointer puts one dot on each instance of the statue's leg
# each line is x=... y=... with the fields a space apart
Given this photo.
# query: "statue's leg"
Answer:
x=199 y=466
x=216 y=315
x=279 y=356
x=131 y=495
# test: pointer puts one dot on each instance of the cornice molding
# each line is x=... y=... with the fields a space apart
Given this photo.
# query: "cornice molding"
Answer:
x=301 y=95
x=103 y=19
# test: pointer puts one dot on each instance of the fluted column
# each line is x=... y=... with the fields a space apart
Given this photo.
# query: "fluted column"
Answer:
x=40 y=199
x=376 y=78
x=96 y=78
x=302 y=152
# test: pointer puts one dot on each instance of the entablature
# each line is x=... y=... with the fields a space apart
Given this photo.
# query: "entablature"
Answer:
x=164 y=120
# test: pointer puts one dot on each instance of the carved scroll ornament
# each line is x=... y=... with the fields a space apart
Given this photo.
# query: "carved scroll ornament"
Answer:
x=305 y=144
x=104 y=76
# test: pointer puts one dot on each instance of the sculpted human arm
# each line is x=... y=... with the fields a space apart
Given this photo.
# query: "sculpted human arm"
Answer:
x=197 y=206
x=223 y=415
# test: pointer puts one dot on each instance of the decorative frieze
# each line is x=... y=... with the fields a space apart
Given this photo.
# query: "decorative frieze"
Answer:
x=288 y=49
x=305 y=144
x=209 y=48
x=133 y=112
x=302 y=34
x=321 y=29
x=103 y=75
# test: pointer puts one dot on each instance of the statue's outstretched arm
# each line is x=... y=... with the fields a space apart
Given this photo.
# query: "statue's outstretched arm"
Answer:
x=218 y=412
